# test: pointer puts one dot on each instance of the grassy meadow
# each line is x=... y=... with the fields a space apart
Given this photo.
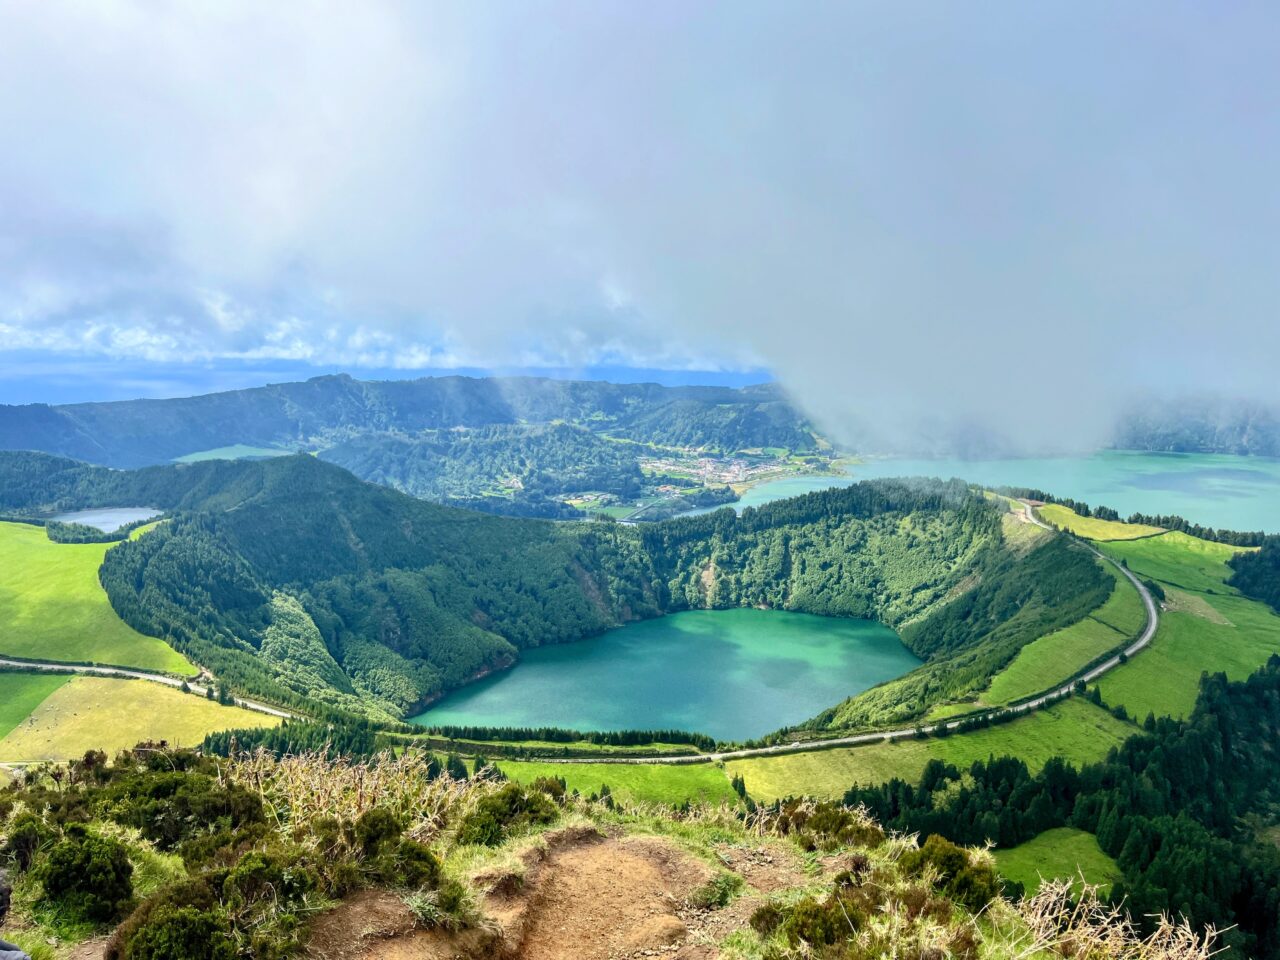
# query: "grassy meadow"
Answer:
x=52 y=607
x=1061 y=853
x=1093 y=528
x=1075 y=729
x=97 y=713
x=1048 y=661
x=646 y=782
x=1206 y=626
x=21 y=693
x=1178 y=559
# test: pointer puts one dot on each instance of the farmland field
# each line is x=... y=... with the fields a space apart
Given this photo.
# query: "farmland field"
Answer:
x=1165 y=678
x=1092 y=527
x=53 y=607
x=97 y=713
x=1206 y=626
x=20 y=693
x=1075 y=729
x=1062 y=853
x=1177 y=559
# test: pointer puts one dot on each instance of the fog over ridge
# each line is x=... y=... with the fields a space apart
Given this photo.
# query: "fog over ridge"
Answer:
x=983 y=229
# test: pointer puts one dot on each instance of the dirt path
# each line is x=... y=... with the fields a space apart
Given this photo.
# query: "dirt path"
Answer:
x=585 y=896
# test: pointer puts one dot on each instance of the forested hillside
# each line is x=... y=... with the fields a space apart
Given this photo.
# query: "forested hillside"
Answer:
x=294 y=581
x=324 y=411
x=467 y=467
x=1202 y=426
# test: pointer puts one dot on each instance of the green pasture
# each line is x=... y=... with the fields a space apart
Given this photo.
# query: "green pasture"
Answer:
x=1048 y=661
x=21 y=693
x=644 y=782
x=52 y=607
x=1063 y=853
x=1075 y=729
x=1092 y=527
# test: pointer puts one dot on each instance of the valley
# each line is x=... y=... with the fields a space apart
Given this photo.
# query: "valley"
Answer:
x=850 y=640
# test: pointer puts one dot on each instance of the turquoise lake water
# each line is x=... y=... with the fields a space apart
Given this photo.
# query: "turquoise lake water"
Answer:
x=109 y=519
x=733 y=674
x=1238 y=493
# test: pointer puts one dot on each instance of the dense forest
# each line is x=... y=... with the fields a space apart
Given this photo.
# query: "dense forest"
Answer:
x=523 y=466
x=1175 y=806
x=296 y=582
x=325 y=411
x=1257 y=574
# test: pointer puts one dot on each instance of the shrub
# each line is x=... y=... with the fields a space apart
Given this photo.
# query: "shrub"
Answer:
x=766 y=919
x=91 y=875
x=375 y=828
x=717 y=892
x=972 y=886
x=411 y=865
x=181 y=933
x=813 y=923
x=195 y=895
x=27 y=835
x=499 y=813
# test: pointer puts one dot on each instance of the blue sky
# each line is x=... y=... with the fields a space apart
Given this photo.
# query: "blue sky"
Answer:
x=918 y=216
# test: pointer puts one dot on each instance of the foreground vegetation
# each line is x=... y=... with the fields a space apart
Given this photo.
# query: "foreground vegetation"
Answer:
x=186 y=858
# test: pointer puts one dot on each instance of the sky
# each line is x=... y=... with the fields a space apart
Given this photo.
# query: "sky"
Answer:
x=929 y=222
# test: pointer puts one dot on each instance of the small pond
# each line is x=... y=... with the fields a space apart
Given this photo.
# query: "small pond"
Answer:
x=109 y=519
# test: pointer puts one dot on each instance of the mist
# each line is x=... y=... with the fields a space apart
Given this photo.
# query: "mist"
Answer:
x=945 y=228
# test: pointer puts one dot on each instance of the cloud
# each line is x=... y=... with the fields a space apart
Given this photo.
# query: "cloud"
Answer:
x=938 y=225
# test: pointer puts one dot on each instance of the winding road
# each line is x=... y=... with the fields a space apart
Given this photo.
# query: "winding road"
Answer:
x=123 y=673
x=880 y=736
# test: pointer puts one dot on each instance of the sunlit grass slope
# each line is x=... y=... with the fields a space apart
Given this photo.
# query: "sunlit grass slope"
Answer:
x=20 y=693
x=1092 y=527
x=1178 y=559
x=652 y=783
x=52 y=607
x=96 y=713
x=1046 y=662
x=1062 y=853
x=1075 y=729
x=1206 y=626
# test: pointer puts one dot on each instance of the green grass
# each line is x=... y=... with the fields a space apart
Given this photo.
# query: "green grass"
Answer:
x=1092 y=527
x=21 y=693
x=1075 y=729
x=1164 y=679
x=646 y=782
x=237 y=451
x=1048 y=661
x=1177 y=559
x=52 y=607
x=1062 y=853
x=1208 y=626
x=97 y=713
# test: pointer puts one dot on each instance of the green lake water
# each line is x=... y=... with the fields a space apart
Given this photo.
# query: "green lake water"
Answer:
x=1236 y=493
x=732 y=674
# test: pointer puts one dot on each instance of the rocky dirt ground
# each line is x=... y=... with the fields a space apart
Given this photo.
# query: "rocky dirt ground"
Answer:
x=584 y=895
